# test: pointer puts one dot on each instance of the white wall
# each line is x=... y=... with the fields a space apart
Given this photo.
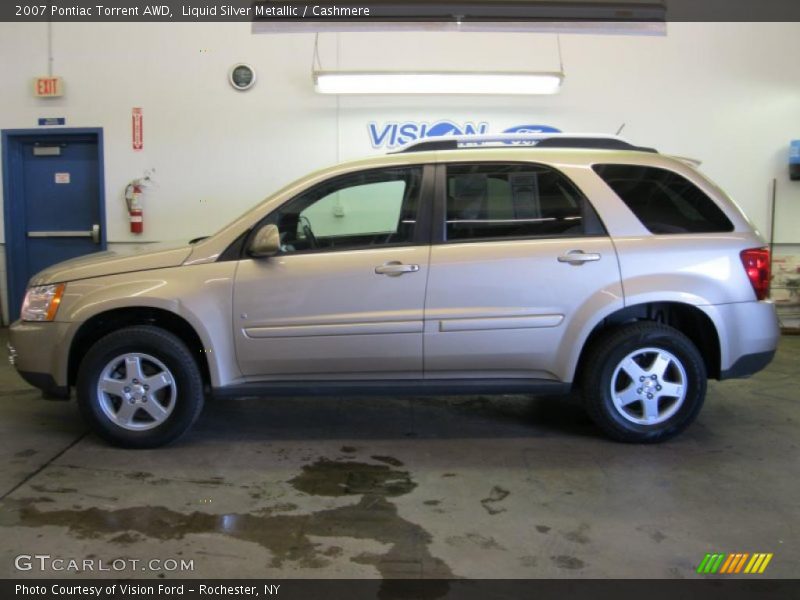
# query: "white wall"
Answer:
x=728 y=94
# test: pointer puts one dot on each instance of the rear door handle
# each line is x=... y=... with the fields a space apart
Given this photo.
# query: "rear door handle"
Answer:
x=578 y=257
x=395 y=269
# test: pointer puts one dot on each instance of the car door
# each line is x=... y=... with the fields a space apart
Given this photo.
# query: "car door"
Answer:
x=344 y=297
x=520 y=261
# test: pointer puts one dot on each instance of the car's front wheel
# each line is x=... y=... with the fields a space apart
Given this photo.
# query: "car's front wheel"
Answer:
x=140 y=387
x=644 y=382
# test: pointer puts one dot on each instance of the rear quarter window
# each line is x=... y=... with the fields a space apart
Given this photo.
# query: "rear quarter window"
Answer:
x=664 y=201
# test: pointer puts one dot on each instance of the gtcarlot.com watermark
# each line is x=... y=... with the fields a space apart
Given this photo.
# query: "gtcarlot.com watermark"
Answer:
x=46 y=562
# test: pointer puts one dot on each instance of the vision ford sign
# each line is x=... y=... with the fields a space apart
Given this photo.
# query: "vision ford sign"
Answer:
x=395 y=134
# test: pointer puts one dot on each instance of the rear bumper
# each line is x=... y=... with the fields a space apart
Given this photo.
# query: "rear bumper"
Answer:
x=748 y=365
x=748 y=335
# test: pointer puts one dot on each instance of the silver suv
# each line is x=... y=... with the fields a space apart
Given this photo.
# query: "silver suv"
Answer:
x=521 y=264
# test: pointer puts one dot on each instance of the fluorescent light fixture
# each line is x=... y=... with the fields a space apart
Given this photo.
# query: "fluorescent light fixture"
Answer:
x=388 y=82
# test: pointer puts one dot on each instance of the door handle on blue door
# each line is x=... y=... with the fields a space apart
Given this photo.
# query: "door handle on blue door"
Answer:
x=578 y=257
x=93 y=233
x=395 y=269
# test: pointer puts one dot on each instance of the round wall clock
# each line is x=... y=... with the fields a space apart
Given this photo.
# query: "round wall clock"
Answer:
x=242 y=76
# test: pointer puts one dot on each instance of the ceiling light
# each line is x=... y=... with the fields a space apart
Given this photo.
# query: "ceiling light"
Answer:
x=388 y=82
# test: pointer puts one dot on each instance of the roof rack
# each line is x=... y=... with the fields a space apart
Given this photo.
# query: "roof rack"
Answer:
x=526 y=140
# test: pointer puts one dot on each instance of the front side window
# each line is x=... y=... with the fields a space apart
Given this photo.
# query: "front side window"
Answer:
x=366 y=209
x=664 y=201
x=496 y=201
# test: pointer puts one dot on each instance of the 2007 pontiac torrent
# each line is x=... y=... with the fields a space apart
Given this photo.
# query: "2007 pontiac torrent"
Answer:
x=457 y=266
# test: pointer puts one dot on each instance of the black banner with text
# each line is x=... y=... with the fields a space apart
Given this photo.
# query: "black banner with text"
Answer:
x=408 y=11
x=391 y=589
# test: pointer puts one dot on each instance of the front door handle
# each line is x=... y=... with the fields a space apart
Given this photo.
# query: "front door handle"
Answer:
x=395 y=269
x=578 y=257
x=96 y=233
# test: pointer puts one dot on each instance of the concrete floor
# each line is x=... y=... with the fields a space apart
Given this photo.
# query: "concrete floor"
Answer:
x=502 y=487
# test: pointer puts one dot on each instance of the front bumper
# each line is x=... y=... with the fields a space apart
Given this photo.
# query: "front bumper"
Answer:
x=47 y=384
x=39 y=352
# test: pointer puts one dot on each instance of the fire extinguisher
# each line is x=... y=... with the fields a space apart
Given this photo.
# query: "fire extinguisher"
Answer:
x=133 y=194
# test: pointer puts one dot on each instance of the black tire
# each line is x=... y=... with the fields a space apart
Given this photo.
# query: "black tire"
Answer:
x=185 y=393
x=605 y=355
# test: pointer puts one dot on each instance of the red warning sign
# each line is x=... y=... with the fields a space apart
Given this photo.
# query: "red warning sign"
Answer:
x=138 y=135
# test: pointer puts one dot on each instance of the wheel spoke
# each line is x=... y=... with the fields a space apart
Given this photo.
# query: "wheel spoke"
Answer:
x=628 y=395
x=671 y=390
x=115 y=387
x=650 y=409
x=133 y=368
x=154 y=409
x=125 y=413
x=659 y=366
x=157 y=382
x=633 y=370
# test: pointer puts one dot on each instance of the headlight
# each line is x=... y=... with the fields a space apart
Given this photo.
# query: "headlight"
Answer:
x=41 y=302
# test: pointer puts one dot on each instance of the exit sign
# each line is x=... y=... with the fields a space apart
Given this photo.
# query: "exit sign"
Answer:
x=48 y=87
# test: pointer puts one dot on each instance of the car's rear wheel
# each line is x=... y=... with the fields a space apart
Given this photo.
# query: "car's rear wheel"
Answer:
x=644 y=382
x=140 y=387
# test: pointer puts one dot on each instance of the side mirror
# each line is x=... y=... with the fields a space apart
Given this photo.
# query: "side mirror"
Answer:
x=266 y=243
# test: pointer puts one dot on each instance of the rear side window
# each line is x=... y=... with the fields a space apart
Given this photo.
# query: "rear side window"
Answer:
x=664 y=201
x=497 y=201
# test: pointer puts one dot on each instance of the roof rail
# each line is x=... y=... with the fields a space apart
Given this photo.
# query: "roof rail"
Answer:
x=540 y=140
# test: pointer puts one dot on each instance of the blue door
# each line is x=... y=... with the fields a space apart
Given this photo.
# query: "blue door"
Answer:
x=54 y=201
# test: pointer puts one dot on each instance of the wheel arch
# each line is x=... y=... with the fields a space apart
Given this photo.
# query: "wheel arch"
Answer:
x=108 y=321
x=690 y=320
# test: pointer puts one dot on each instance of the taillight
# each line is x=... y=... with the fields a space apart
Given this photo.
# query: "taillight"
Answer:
x=756 y=265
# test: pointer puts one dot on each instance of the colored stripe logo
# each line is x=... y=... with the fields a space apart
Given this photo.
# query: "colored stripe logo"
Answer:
x=731 y=564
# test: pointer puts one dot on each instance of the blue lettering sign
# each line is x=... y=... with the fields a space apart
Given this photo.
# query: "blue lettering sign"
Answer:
x=395 y=134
